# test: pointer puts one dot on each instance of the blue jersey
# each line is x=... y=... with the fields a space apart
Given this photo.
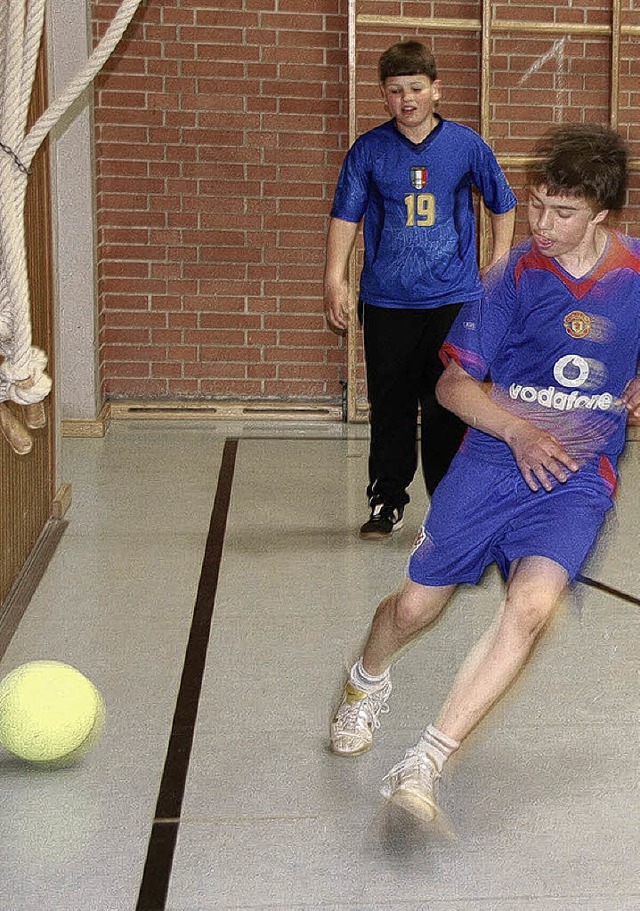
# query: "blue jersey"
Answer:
x=558 y=350
x=419 y=223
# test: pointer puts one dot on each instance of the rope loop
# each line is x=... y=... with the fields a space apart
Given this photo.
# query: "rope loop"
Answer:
x=17 y=162
x=23 y=379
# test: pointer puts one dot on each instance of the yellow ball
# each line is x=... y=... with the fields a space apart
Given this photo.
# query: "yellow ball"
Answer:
x=49 y=713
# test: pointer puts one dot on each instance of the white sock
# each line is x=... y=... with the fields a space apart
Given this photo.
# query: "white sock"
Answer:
x=367 y=683
x=437 y=746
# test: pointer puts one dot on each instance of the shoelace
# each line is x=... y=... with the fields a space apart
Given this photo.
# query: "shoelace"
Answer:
x=372 y=707
x=416 y=762
x=378 y=705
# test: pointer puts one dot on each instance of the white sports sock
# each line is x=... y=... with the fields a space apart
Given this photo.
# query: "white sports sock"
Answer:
x=437 y=746
x=367 y=683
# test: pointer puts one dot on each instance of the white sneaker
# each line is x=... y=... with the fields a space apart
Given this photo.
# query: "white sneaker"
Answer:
x=411 y=784
x=357 y=717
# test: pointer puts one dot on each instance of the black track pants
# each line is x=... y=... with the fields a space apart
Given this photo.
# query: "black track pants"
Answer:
x=401 y=352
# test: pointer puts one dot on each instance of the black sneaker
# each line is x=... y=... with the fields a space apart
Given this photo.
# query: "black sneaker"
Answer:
x=383 y=521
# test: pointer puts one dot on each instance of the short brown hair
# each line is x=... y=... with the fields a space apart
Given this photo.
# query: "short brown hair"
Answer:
x=407 y=58
x=582 y=159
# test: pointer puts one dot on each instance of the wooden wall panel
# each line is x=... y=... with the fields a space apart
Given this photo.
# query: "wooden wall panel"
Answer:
x=27 y=482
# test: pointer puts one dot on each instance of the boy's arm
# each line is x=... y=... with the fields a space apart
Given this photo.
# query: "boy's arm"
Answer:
x=340 y=240
x=502 y=228
x=631 y=397
x=538 y=454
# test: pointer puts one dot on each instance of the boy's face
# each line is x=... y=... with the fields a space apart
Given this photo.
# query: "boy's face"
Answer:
x=560 y=225
x=411 y=101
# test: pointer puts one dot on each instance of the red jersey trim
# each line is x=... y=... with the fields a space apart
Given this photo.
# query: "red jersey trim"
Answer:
x=617 y=257
x=608 y=473
x=466 y=360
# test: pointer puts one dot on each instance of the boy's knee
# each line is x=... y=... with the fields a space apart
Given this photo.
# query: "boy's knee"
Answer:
x=527 y=617
x=412 y=613
x=532 y=595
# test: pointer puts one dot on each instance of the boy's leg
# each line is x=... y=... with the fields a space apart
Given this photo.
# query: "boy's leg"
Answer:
x=399 y=619
x=441 y=431
x=390 y=345
x=534 y=588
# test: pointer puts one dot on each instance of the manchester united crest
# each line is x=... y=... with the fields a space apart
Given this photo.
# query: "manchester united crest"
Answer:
x=418 y=178
x=577 y=324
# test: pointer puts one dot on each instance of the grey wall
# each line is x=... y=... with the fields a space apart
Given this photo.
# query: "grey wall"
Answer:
x=77 y=386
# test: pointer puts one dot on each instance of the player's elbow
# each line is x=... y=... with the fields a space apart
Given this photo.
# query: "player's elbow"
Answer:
x=445 y=390
x=452 y=387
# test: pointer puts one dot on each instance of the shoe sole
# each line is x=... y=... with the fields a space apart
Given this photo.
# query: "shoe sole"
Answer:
x=347 y=753
x=379 y=536
x=422 y=809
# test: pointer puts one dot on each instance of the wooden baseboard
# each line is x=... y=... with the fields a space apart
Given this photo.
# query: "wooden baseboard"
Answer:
x=226 y=411
x=17 y=601
x=61 y=502
x=88 y=428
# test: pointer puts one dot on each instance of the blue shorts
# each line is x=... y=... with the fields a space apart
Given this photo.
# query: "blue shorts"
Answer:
x=483 y=513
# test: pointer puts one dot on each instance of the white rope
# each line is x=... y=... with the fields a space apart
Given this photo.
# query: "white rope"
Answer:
x=17 y=364
x=23 y=377
x=94 y=64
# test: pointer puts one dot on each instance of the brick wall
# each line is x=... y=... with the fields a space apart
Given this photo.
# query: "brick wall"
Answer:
x=220 y=129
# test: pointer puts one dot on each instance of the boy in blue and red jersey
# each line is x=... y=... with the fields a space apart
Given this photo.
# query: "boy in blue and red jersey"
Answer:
x=411 y=180
x=544 y=370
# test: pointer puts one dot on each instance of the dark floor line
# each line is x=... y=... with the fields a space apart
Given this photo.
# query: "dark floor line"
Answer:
x=159 y=862
x=623 y=596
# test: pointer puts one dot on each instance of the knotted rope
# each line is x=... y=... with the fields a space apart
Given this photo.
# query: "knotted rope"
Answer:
x=23 y=377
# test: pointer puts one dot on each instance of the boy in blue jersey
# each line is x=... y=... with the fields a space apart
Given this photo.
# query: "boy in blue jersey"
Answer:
x=557 y=335
x=411 y=180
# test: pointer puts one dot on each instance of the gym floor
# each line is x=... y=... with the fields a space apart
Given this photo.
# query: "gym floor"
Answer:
x=212 y=584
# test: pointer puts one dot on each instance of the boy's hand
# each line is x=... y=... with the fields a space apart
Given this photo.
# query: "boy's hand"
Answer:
x=539 y=456
x=336 y=308
x=630 y=398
